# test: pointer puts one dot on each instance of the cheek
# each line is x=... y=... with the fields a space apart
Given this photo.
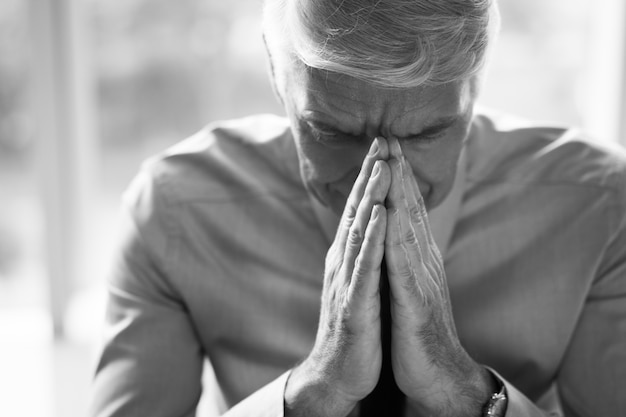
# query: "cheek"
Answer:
x=434 y=168
x=325 y=164
x=432 y=165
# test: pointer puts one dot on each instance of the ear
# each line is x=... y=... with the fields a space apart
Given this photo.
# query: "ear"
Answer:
x=272 y=71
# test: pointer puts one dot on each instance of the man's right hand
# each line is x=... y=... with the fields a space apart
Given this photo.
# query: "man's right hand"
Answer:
x=344 y=364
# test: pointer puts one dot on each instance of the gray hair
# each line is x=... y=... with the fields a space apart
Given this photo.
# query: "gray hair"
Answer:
x=392 y=43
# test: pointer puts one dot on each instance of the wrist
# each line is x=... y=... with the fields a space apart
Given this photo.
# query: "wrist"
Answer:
x=309 y=394
x=461 y=397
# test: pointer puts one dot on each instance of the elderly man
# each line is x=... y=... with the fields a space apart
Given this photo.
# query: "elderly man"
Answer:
x=267 y=245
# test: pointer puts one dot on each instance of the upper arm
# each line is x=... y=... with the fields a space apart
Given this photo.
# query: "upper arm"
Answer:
x=593 y=373
x=151 y=363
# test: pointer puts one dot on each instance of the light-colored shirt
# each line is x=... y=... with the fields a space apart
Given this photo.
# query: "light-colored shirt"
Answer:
x=222 y=258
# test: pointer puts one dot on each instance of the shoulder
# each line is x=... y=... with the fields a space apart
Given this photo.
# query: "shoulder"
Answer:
x=503 y=148
x=226 y=164
x=226 y=160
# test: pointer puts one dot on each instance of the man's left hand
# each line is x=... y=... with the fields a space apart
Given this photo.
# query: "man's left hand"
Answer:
x=430 y=366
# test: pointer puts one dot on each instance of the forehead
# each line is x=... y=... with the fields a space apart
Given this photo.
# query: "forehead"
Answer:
x=360 y=106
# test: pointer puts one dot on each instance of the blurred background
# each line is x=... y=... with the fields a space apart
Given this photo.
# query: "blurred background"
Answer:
x=90 y=88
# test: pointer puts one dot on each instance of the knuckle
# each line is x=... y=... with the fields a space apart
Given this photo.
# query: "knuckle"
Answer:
x=416 y=213
x=355 y=236
x=361 y=267
x=410 y=238
x=350 y=212
x=420 y=201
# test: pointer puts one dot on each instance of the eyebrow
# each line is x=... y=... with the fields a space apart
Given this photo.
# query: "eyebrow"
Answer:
x=437 y=125
x=324 y=125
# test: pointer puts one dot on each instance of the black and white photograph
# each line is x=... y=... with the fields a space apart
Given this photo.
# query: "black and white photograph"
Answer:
x=313 y=208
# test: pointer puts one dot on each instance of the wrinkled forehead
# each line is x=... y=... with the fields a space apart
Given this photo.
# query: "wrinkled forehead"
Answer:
x=359 y=106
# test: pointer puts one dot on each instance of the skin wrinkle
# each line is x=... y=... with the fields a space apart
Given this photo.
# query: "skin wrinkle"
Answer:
x=362 y=263
x=442 y=350
x=345 y=129
x=329 y=173
x=417 y=213
x=413 y=290
x=343 y=330
x=434 y=250
x=443 y=356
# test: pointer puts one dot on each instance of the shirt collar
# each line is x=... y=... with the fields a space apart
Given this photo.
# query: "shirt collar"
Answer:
x=442 y=219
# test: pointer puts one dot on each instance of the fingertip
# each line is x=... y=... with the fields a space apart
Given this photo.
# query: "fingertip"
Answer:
x=384 y=168
x=375 y=213
x=394 y=147
x=395 y=167
x=376 y=169
x=383 y=146
x=378 y=211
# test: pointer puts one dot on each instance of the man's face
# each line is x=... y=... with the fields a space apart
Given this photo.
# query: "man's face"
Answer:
x=334 y=118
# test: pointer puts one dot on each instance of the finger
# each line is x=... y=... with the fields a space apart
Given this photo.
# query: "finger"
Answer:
x=398 y=203
x=417 y=207
x=419 y=219
x=378 y=150
x=375 y=193
x=409 y=278
x=410 y=275
x=366 y=275
x=414 y=197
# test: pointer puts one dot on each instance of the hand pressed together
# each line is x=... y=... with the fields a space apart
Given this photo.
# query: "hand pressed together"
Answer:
x=430 y=366
x=385 y=215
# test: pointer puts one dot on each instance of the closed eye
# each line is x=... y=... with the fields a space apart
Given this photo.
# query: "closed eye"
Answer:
x=432 y=133
x=427 y=137
x=330 y=136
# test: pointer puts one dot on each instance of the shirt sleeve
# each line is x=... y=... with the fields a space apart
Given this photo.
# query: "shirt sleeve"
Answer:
x=518 y=404
x=152 y=359
x=593 y=373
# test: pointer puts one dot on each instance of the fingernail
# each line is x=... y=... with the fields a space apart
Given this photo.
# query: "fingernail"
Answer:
x=376 y=169
x=374 y=147
x=375 y=212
